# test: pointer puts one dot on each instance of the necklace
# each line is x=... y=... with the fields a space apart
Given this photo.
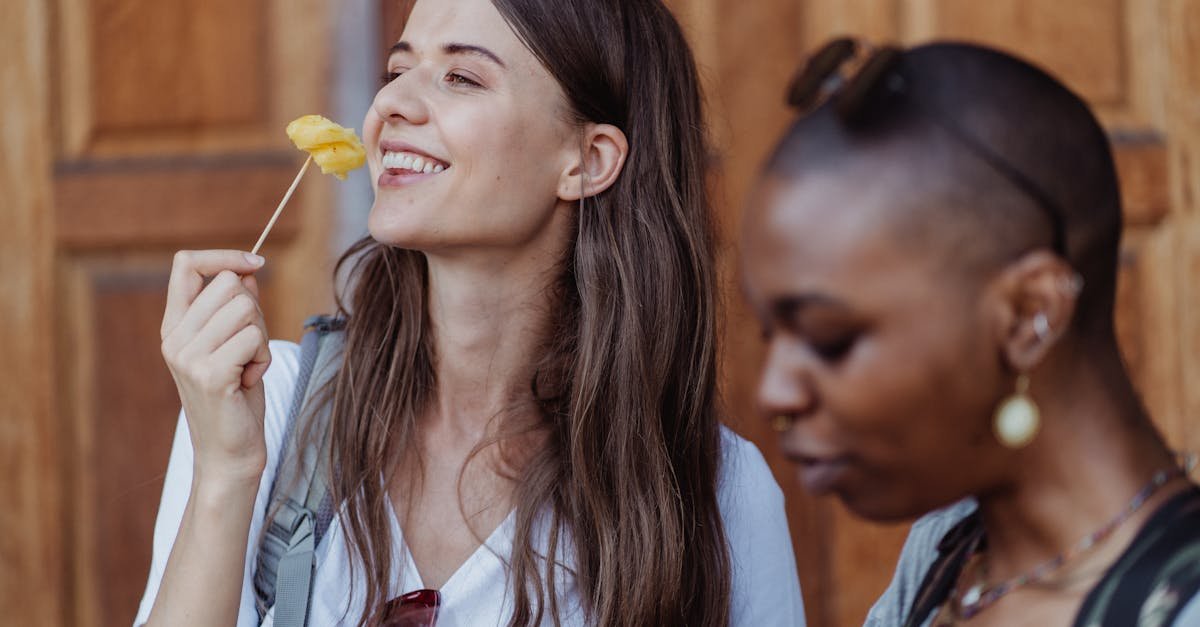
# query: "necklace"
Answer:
x=979 y=596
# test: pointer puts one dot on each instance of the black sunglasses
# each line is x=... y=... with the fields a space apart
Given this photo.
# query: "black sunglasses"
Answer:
x=849 y=74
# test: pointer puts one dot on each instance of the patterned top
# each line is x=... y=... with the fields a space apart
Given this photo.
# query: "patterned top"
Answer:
x=1150 y=584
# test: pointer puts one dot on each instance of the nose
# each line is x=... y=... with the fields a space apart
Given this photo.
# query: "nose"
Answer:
x=785 y=387
x=402 y=99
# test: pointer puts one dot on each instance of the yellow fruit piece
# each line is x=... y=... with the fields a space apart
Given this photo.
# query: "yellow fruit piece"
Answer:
x=335 y=148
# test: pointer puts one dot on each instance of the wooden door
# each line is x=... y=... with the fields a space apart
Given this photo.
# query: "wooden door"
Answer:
x=1133 y=61
x=144 y=127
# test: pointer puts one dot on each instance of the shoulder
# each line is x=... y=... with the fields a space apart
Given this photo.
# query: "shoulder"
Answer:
x=766 y=587
x=744 y=471
x=919 y=552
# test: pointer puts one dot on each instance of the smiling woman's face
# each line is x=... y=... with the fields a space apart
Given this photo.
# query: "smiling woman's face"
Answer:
x=880 y=354
x=468 y=139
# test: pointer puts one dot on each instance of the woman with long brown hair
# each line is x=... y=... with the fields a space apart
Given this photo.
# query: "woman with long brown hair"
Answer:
x=525 y=416
x=933 y=253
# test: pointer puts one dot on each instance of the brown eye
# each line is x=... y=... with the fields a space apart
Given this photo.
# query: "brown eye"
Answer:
x=458 y=79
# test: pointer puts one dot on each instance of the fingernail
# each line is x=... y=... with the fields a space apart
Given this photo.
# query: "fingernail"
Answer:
x=255 y=260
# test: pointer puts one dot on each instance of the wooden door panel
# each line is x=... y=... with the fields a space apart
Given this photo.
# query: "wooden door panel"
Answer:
x=1049 y=33
x=153 y=78
x=206 y=68
x=169 y=128
x=131 y=433
x=184 y=203
x=31 y=549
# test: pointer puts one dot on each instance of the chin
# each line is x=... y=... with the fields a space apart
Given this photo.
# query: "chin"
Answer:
x=881 y=505
x=402 y=228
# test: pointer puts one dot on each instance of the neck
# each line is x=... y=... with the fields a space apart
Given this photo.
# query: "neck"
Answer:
x=489 y=314
x=1096 y=451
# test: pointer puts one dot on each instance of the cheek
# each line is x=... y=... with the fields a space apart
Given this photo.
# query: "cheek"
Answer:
x=371 y=129
x=506 y=157
x=920 y=432
x=918 y=397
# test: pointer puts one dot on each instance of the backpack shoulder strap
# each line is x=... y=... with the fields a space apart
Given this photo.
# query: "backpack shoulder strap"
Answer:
x=299 y=496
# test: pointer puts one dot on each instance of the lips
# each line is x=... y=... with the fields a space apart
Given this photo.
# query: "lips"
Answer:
x=821 y=477
x=820 y=474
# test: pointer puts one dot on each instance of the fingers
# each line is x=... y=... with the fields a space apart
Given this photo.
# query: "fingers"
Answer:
x=234 y=315
x=249 y=347
x=220 y=295
x=188 y=273
x=251 y=285
x=205 y=325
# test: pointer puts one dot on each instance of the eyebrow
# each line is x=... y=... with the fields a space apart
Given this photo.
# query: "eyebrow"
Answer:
x=455 y=49
x=788 y=306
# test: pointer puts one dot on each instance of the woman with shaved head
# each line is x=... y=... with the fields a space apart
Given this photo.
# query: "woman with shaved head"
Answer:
x=932 y=252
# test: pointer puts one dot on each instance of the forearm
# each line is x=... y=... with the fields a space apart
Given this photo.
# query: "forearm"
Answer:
x=202 y=582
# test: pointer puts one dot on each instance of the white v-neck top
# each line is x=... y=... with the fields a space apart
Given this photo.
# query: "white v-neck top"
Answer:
x=766 y=589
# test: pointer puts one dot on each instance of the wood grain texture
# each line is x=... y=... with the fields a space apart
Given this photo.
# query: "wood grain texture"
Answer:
x=1145 y=189
x=865 y=555
x=205 y=65
x=1182 y=74
x=31 y=591
x=871 y=20
x=745 y=78
x=221 y=203
x=1049 y=33
x=130 y=433
x=181 y=145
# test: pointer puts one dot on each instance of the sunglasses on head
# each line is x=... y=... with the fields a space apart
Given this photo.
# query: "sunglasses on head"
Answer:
x=415 y=609
x=850 y=75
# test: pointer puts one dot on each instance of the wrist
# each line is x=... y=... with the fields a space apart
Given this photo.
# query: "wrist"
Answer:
x=222 y=489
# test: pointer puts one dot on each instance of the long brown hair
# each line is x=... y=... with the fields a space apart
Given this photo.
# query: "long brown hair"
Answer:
x=626 y=475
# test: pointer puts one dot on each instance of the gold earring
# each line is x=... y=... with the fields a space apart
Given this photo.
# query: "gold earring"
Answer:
x=781 y=423
x=1017 y=419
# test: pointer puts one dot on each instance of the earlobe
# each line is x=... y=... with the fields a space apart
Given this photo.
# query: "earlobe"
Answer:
x=602 y=153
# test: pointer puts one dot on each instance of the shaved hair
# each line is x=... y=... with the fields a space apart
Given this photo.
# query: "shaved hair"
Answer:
x=998 y=159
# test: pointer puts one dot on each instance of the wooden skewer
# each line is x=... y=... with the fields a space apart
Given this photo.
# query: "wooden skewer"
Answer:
x=278 y=210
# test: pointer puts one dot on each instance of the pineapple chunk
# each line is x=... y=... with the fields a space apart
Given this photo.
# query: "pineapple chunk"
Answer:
x=335 y=148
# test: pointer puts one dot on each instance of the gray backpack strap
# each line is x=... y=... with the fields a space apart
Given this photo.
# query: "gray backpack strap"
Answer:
x=299 y=497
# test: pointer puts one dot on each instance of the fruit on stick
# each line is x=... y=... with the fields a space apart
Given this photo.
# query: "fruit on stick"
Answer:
x=335 y=148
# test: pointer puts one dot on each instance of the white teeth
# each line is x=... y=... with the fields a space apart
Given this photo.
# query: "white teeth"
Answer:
x=410 y=161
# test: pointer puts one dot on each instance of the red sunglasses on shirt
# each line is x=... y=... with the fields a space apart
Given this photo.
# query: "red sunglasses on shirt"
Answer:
x=415 y=609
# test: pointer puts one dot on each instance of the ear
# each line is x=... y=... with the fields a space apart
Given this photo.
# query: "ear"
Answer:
x=1038 y=285
x=602 y=152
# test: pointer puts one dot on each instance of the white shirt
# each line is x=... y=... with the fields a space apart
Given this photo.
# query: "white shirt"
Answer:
x=766 y=589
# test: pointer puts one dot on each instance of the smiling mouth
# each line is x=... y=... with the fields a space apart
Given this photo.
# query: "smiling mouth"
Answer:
x=401 y=163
